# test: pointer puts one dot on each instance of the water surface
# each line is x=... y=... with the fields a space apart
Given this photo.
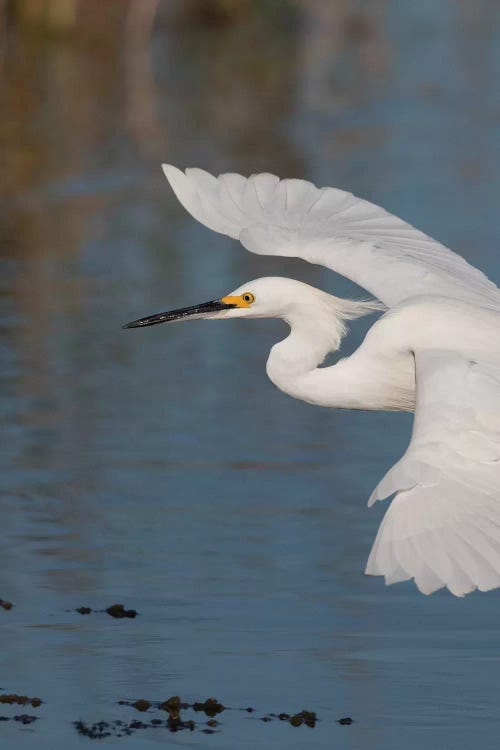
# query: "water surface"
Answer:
x=160 y=468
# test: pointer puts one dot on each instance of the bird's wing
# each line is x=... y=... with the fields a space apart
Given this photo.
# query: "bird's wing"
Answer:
x=443 y=525
x=330 y=227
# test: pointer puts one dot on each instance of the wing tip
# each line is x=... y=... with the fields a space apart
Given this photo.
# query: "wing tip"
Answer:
x=424 y=587
x=172 y=173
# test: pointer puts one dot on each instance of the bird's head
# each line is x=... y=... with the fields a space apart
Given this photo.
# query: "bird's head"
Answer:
x=270 y=297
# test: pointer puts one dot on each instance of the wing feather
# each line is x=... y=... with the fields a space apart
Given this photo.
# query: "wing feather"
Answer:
x=330 y=227
x=443 y=525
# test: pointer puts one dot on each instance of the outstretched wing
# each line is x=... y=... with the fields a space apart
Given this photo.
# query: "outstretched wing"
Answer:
x=331 y=227
x=443 y=526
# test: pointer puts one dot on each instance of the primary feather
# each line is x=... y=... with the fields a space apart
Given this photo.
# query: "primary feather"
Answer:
x=330 y=227
x=443 y=526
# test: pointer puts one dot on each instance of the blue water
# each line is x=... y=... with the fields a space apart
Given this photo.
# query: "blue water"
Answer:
x=160 y=468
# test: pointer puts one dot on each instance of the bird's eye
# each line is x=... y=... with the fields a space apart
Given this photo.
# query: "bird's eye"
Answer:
x=248 y=297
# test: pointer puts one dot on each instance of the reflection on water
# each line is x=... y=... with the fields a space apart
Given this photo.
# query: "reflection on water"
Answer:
x=161 y=469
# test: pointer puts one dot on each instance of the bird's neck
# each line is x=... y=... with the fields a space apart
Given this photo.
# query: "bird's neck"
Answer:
x=306 y=346
x=360 y=381
x=302 y=351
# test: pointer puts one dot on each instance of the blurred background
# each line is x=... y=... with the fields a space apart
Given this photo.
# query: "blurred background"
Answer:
x=160 y=468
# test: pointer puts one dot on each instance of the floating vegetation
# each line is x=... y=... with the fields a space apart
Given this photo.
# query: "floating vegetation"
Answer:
x=308 y=718
x=5 y=604
x=117 y=611
x=210 y=721
x=22 y=718
x=118 y=728
x=304 y=717
x=101 y=729
x=173 y=704
x=211 y=707
x=20 y=700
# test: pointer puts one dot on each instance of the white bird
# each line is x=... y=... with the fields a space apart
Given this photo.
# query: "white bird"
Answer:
x=436 y=350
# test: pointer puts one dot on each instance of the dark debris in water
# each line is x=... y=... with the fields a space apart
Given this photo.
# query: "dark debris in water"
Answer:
x=117 y=611
x=304 y=717
x=5 y=604
x=173 y=706
x=25 y=718
x=211 y=707
x=308 y=718
x=101 y=729
x=173 y=722
x=21 y=718
x=96 y=731
x=20 y=700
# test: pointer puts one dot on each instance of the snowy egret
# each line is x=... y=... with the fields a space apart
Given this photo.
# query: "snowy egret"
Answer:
x=436 y=349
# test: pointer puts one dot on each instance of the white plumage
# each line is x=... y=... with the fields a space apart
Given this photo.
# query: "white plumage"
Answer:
x=331 y=227
x=443 y=526
x=437 y=347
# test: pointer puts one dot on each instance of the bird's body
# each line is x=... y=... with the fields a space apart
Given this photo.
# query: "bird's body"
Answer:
x=436 y=349
x=380 y=374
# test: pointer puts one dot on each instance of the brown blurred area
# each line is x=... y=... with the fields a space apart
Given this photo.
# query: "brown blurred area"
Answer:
x=75 y=68
x=89 y=86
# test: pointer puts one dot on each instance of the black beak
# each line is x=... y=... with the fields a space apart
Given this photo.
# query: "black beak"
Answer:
x=215 y=305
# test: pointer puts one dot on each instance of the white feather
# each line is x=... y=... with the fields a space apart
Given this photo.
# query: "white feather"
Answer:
x=331 y=227
x=438 y=347
x=443 y=526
